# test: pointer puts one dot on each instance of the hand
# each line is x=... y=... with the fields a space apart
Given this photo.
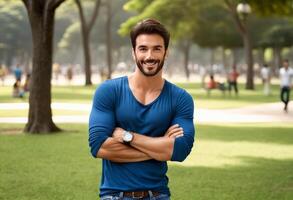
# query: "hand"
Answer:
x=174 y=131
x=118 y=134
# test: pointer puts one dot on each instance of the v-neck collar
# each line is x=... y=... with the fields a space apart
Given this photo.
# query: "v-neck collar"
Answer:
x=152 y=102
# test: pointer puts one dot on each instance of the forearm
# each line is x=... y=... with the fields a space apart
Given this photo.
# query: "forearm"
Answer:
x=118 y=152
x=159 y=148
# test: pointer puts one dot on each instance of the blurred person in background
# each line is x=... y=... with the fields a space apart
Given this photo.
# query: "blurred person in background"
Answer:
x=17 y=72
x=266 y=79
x=232 y=80
x=286 y=76
x=17 y=90
x=3 y=73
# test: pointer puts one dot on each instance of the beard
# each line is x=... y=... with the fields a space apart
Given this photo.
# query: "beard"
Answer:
x=155 y=62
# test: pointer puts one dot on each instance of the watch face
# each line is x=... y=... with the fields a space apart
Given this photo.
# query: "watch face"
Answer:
x=127 y=136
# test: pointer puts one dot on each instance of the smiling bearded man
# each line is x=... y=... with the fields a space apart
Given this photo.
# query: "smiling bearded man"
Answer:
x=141 y=121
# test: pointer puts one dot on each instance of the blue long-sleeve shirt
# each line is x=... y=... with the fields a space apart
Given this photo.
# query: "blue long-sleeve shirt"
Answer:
x=114 y=105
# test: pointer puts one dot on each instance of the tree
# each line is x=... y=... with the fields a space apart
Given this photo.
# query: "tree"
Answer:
x=281 y=8
x=109 y=37
x=242 y=27
x=86 y=30
x=41 y=16
x=278 y=37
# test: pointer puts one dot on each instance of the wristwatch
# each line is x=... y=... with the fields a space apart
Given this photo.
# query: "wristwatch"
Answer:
x=127 y=137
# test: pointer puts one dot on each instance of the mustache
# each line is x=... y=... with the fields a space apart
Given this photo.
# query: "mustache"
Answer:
x=151 y=61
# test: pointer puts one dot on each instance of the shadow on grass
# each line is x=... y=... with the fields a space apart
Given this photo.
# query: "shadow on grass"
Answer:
x=278 y=135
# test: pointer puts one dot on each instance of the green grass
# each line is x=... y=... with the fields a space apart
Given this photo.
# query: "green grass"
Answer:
x=72 y=94
x=244 y=162
x=81 y=94
x=219 y=101
x=24 y=113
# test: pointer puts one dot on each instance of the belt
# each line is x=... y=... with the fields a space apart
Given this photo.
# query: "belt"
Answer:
x=140 y=194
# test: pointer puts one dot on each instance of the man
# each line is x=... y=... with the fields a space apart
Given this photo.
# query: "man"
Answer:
x=139 y=122
x=17 y=72
x=286 y=75
x=232 y=80
x=266 y=78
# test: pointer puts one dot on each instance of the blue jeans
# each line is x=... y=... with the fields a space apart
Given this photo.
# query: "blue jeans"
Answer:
x=119 y=196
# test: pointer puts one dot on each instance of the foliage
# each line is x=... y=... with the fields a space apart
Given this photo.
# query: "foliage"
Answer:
x=278 y=36
x=69 y=44
x=15 y=28
x=272 y=7
x=207 y=23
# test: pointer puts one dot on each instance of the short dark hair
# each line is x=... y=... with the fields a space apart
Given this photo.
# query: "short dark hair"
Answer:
x=149 y=26
x=286 y=60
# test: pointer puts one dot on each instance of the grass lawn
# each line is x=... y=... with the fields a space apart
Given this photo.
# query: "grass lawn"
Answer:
x=243 y=162
x=24 y=113
x=219 y=101
x=81 y=94
x=72 y=94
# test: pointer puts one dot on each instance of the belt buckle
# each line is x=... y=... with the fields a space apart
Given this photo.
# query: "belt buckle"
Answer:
x=137 y=197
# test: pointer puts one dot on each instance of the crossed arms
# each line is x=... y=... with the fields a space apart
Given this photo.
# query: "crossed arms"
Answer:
x=106 y=141
x=142 y=147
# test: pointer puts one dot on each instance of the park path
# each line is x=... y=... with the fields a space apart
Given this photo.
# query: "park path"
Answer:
x=262 y=113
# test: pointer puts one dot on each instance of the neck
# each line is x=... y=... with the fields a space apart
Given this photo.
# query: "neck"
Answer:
x=140 y=81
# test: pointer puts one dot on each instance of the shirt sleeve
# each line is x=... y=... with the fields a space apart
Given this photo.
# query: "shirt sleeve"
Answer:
x=184 y=117
x=102 y=118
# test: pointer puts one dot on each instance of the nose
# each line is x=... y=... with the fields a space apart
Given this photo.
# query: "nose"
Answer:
x=149 y=54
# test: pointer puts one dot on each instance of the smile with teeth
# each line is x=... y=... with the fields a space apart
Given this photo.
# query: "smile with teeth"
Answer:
x=150 y=63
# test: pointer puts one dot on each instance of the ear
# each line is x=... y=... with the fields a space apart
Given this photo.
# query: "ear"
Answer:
x=167 y=54
x=133 y=54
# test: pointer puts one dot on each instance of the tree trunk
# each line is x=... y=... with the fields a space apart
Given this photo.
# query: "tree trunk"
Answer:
x=212 y=58
x=187 y=47
x=9 y=58
x=224 y=58
x=249 y=61
x=40 y=114
x=87 y=57
x=261 y=56
x=277 y=57
x=86 y=45
x=109 y=38
x=234 y=57
x=85 y=32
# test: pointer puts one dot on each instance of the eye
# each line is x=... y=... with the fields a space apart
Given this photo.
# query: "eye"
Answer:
x=157 y=49
x=142 y=49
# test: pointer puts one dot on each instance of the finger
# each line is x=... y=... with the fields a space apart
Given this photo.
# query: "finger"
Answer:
x=174 y=131
x=172 y=127
x=179 y=136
